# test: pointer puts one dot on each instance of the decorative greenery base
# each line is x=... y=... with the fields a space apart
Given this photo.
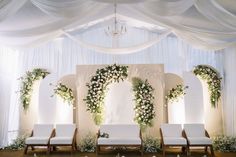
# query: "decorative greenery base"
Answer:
x=224 y=143
x=152 y=145
x=17 y=144
x=88 y=143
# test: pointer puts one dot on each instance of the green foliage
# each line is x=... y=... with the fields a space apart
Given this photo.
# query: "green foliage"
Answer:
x=27 y=85
x=88 y=143
x=213 y=81
x=144 y=108
x=97 y=88
x=224 y=143
x=65 y=93
x=17 y=144
x=152 y=145
x=175 y=93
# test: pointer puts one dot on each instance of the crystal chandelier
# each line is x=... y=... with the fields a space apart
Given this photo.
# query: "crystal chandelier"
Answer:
x=117 y=29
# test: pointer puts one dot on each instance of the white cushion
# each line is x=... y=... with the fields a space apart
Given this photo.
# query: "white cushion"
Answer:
x=61 y=140
x=171 y=130
x=119 y=141
x=199 y=141
x=42 y=130
x=65 y=130
x=175 y=141
x=194 y=130
x=121 y=130
x=37 y=140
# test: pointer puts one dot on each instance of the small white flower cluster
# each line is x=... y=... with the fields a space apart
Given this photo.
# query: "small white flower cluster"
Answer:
x=175 y=93
x=65 y=93
x=98 y=86
x=144 y=108
x=213 y=81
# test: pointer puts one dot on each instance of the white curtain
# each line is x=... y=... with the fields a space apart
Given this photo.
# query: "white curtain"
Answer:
x=8 y=62
x=229 y=97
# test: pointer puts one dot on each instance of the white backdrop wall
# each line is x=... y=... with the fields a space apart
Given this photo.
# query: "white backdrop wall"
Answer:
x=62 y=55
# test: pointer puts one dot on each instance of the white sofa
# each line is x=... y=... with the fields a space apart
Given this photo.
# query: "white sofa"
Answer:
x=198 y=136
x=172 y=135
x=65 y=135
x=40 y=136
x=120 y=135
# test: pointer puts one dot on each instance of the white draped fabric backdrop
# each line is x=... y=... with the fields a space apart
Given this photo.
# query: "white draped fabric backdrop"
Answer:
x=61 y=56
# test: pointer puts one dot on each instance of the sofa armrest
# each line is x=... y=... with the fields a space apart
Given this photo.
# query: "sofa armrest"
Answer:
x=207 y=135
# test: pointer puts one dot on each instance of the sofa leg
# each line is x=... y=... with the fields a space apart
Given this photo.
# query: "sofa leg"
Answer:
x=163 y=151
x=26 y=149
x=212 y=151
x=48 y=149
x=206 y=149
x=141 y=150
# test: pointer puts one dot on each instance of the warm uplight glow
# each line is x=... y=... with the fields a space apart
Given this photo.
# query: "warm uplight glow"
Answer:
x=119 y=104
x=64 y=112
x=176 y=112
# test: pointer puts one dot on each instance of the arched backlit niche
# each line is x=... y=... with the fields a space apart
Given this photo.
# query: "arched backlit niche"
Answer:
x=119 y=104
x=174 y=111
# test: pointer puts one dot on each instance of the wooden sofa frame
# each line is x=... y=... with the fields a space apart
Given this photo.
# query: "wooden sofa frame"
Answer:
x=98 y=147
x=73 y=145
x=33 y=145
x=184 y=147
x=205 y=145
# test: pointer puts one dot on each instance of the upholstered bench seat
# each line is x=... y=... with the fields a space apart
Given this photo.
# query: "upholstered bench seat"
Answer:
x=199 y=141
x=118 y=141
x=36 y=141
x=119 y=135
x=175 y=141
x=61 y=140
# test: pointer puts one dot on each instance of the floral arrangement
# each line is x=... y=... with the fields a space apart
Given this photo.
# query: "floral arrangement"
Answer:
x=224 y=143
x=27 y=85
x=88 y=143
x=65 y=93
x=151 y=145
x=213 y=81
x=98 y=87
x=144 y=108
x=175 y=93
x=17 y=144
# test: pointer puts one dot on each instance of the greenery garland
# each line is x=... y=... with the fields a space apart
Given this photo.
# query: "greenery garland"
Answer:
x=213 y=81
x=98 y=87
x=144 y=108
x=175 y=93
x=27 y=84
x=65 y=93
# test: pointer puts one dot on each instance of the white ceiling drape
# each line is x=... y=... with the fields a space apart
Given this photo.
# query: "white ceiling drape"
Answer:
x=206 y=24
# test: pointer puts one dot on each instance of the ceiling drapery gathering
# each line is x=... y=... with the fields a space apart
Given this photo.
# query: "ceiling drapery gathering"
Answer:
x=207 y=24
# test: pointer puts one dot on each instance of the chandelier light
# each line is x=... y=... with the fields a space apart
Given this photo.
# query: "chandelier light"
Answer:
x=117 y=29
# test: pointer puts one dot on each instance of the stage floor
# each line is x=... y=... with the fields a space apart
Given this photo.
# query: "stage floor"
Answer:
x=67 y=153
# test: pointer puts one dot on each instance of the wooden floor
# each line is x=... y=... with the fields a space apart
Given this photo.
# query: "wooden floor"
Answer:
x=67 y=153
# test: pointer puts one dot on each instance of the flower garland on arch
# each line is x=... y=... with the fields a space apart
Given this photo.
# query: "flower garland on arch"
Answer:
x=144 y=108
x=65 y=93
x=175 y=93
x=27 y=85
x=213 y=80
x=98 y=86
